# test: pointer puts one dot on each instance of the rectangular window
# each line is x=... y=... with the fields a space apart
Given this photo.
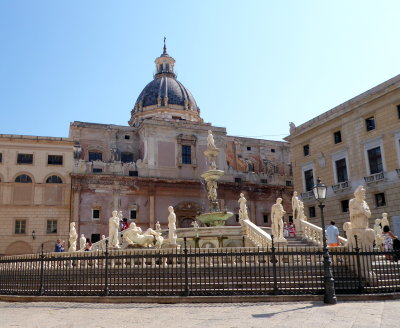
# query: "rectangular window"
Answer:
x=345 y=205
x=248 y=148
x=238 y=180
x=25 y=159
x=398 y=111
x=126 y=157
x=289 y=183
x=20 y=226
x=186 y=154
x=127 y=137
x=51 y=226
x=265 y=181
x=1 y=157
x=311 y=211
x=97 y=170
x=55 y=160
x=132 y=214
x=370 y=123
x=380 y=199
x=95 y=156
x=265 y=218
x=133 y=173
x=309 y=179
x=337 y=137
x=272 y=150
x=306 y=150
x=375 y=160
x=95 y=214
x=341 y=170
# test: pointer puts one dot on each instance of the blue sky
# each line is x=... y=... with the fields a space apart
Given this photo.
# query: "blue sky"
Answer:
x=252 y=66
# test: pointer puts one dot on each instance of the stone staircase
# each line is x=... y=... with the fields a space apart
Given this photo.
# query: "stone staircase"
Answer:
x=299 y=242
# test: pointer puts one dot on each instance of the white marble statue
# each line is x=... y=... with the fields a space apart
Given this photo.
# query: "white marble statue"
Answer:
x=277 y=213
x=82 y=242
x=212 y=190
x=73 y=236
x=113 y=225
x=210 y=140
x=359 y=220
x=158 y=226
x=134 y=236
x=172 y=236
x=384 y=220
x=378 y=233
x=295 y=206
x=243 y=214
x=302 y=216
x=359 y=210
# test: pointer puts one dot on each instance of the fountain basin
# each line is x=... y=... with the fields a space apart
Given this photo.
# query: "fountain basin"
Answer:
x=212 y=175
x=214 y=219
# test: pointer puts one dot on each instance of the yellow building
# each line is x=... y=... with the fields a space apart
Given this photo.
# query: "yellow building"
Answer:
x=35 y=187
x=355 y=143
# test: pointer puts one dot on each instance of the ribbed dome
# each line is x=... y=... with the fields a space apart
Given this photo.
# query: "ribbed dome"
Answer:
x=165 y=97
x=163 y=86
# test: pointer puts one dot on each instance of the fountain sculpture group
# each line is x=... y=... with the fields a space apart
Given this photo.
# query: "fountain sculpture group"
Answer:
x=357 y=229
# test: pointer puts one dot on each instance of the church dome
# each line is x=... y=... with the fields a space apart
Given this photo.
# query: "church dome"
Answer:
x=166 y=86
x=165 y=97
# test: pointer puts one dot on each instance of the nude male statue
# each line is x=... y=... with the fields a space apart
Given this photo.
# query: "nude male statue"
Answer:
x=277 y=213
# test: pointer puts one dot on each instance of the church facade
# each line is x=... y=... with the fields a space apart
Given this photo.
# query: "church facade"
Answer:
x=156 y=161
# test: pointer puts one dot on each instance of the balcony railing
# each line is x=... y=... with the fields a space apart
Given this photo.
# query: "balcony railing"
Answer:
x=341 y=186
x=375 y=177
x=307 y=195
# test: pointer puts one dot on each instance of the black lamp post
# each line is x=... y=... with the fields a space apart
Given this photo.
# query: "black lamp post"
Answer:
x=320 y=195
x=33 y=234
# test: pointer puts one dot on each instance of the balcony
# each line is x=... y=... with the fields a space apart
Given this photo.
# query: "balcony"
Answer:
x=307 y=195
x=341 y=186
x=373 y=178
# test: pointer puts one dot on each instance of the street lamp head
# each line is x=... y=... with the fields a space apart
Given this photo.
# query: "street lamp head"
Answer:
x=319 y=191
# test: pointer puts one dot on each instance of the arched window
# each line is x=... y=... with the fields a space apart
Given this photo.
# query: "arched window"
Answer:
x=54 y=179
x=23 y=178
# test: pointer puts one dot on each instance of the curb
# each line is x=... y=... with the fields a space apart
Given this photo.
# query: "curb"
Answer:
x=196 y=299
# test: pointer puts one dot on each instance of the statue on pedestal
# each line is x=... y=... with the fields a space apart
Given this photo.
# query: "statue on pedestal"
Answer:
x=358 y=227
x=243 y=215
x=82 y=242
x=113 y=225
x=384 y=220
x=172 y=226
x=210 y=141
x=295 y=206
x=378 y=233
x=359 y=221
x=73 y=236
x=158 y=226
x=277 y=213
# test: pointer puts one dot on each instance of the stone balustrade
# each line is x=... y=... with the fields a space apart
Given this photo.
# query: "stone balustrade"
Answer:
x=313 y=233
x=257 y=235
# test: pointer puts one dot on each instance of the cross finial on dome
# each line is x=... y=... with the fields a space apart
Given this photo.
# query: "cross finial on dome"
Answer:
x=165 y=47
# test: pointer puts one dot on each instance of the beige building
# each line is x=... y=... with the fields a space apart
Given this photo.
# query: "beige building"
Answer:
x=35 y=186
x=355 y=143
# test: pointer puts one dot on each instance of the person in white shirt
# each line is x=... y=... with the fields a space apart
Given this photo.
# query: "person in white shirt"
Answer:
x=332 y=235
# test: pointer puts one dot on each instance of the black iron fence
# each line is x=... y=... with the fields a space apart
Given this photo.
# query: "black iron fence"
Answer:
x=226 y=271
